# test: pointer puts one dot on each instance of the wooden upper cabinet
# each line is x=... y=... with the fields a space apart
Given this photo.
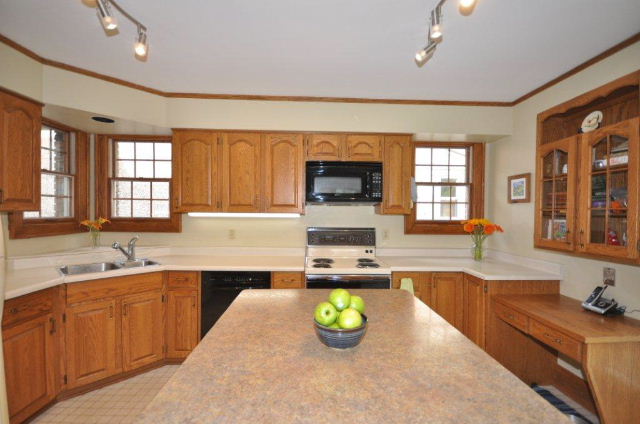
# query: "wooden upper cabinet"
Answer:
x=283 y=160
x=397 y=164
x=557 y=172
x=20 y=124
x=327 y=147
x=196 y=160
x=92 y=346
x=241 y=175
x=447 y=297
x=142 y=329
x=30 y=366
x=609 y=190
x=363 y=147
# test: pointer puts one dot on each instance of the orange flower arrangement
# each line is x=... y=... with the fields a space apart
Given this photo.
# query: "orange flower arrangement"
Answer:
x=480 y=229
x=95 y=227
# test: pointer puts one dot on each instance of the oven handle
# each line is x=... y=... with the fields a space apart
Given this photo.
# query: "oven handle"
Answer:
x=347 y=277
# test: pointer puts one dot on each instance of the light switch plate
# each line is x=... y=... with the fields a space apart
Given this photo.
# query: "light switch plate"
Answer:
x=609 y=276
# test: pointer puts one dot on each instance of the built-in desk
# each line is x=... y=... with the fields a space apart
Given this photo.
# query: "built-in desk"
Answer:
x=608 y=348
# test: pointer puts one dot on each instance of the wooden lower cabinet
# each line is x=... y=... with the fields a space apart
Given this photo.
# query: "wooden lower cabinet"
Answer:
x=30 y=366
x=142 y=329
x=287 y=280
x=447 y=297
x=182 y=322
x=92 y=342
x=474 y=308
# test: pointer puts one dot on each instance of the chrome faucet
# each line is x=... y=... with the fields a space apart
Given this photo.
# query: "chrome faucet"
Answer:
x=130 y=253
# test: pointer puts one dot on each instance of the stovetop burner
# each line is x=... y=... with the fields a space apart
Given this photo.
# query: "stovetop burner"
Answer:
x=323 y=261
x=368 y=265
x=322 y=265
x=365 y=260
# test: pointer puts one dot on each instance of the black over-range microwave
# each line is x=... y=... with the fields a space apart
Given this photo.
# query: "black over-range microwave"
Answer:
x=344 y=182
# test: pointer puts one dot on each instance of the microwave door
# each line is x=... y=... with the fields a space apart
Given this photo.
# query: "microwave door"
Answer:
x=345 y=188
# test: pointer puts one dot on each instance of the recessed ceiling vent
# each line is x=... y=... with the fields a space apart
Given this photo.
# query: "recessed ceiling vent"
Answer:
x=103 y=119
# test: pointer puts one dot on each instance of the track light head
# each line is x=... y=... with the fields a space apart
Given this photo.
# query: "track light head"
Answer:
x=141 y=46
x=107 y=19
x=423 y=55
x=435 y=29
x=465 y=7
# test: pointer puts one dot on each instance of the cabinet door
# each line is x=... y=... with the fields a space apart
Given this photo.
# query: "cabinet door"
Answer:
x=91 y=342
x=142 y=329
x=241 y=172
x=30 y=366
x=20 y=124
x=556 y=171
x=474 y=309
x=283 y=159
x=609 y=196
x=182 y=322
x=324 y=147
x=196 y=183
x=447 y=297
x=365 y=147
x=397 y=163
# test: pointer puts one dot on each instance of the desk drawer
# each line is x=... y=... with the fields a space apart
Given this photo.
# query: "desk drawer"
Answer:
x=557 y=340
x=515 y=318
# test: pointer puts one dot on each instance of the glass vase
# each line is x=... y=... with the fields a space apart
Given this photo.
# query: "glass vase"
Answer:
x=95 y=238
x=477 y=251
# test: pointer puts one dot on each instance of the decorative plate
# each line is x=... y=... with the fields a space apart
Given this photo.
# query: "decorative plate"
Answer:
x=592 y=121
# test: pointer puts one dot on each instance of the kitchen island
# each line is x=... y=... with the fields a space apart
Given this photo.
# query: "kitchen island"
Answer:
x=262 y=362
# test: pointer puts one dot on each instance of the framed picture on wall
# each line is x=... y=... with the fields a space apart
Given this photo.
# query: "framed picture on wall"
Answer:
x=519 y=188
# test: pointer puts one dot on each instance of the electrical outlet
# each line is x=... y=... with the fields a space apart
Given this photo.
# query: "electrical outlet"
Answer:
x=232 y=234
x=609 y=276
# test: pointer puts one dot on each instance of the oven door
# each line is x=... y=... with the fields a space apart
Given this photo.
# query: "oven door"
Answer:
x=343 y=182
x=328 y=281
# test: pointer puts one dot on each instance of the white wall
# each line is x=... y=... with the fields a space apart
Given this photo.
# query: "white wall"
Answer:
x=516 y=154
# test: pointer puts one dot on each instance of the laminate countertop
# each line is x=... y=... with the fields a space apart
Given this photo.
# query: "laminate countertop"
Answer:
x=263 y=363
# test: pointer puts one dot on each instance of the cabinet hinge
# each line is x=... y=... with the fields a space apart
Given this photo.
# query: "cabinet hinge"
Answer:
x=638 y=245
x=64 y=317
x=163 y=298
x=486 y=289
x=64 y=379
x=164 y=349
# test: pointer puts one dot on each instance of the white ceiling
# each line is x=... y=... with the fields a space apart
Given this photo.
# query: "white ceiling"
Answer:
x=339 y=48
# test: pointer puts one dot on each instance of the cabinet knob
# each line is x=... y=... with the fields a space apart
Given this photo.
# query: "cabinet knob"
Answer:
x=1 y=196
x=14 y=310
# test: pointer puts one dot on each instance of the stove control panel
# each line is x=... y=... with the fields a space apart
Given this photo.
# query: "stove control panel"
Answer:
x=322 y=236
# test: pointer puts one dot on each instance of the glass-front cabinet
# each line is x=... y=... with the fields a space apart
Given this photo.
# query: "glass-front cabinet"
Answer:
x=556 y=194
x=609 y=191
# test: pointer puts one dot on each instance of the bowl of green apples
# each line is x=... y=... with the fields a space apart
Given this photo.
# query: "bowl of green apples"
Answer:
x=340 y=322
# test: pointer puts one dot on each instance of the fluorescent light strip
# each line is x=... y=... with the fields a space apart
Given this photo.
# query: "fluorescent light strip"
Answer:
x=242 y=215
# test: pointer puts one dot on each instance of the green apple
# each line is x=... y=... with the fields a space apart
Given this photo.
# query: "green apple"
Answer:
x=357 y=303
x=340 y=298
x=334 y=325
x=349 y=318
x=325 y=314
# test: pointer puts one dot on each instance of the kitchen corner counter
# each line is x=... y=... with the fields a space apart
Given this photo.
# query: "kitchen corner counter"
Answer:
x=262 y=362
x=488 y=269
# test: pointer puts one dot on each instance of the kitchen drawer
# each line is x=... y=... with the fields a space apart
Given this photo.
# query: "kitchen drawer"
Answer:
x=557 y=340
x=183 y=279
x=28 y=306
x=287 y=280
x=515 y=318
x=112 y=287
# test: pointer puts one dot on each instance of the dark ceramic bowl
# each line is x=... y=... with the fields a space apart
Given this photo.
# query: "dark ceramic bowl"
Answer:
x=339 y=338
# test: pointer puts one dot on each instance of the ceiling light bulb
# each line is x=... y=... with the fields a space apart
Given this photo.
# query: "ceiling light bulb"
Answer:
x=141 y=47
x=109 y=22
x=465 y=7
x=422 y=56
x=435 y=31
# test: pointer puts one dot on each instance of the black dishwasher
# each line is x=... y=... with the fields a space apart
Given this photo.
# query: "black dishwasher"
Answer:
x=220 y=288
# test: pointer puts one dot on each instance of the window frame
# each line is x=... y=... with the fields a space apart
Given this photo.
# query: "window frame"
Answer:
x=475 y=174
x=21 y=228
x=105 y=171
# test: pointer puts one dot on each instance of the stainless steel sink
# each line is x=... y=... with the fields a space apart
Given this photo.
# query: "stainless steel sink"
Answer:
x=137 y=263
x=88 y=268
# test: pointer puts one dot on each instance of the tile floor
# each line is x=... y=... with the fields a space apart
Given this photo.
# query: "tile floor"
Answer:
x=115 y=404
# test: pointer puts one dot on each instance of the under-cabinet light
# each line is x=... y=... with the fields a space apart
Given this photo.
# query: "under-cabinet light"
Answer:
x=241 y=215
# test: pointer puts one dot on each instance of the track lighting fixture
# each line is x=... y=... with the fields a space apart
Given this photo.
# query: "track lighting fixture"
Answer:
x=434 y=34
x=109 y=22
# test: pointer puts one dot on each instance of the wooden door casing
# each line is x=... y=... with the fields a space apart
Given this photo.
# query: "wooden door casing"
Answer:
x=363 y=147
x=196 y=161
x=142 y=329
x=182 y=322
x=283 y=160
x=325 y=147
x=20 y=125
x=92 y=346
x=241 y=172
x=30 y=366
x=447 y=297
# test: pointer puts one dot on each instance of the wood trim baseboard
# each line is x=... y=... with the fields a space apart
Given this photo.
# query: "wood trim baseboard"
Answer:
x=213 y=96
